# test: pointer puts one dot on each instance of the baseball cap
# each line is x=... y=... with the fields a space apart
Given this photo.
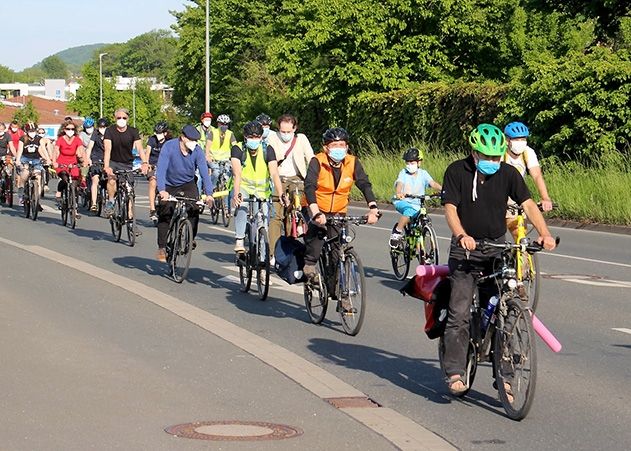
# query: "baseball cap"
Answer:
x=191 y=132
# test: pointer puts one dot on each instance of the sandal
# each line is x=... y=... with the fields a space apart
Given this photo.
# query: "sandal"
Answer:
x=453 y=380
x=507 y=389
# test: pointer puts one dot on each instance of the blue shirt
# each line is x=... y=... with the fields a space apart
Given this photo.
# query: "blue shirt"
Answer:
x=177 y=169
x=414 y=184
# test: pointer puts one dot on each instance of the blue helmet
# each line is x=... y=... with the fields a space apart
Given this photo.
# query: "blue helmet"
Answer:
x=516 y=130
x=88 y=122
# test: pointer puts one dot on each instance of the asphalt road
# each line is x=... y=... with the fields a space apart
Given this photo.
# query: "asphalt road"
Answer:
x=581 y=400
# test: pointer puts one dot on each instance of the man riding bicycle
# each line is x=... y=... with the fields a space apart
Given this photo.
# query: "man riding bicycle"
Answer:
x=330 y=177
x=475 y=192
x=95 y=154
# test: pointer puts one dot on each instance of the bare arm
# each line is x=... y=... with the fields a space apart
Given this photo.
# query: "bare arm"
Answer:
x=535 y=216
x=437 y=186
x=88 y=152
x=19 y=152
x=107 y=152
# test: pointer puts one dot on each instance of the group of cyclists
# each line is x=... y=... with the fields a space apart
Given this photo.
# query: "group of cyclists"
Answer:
x=268 y=163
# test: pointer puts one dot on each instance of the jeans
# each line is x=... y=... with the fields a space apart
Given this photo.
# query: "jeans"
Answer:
x=200 y=180
x=241 y=215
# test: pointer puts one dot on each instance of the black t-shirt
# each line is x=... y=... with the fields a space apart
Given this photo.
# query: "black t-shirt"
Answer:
x=237 y=153
x=4 y=144
x=484 y=217
x=98 y=149
x=122 y=143
x=31 y=146
x=156 y=146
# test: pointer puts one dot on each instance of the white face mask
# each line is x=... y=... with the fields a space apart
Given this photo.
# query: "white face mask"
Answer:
x=411 y=167
x=31 y=135
x=286 y=137
x=518 y=147
x=41 y=135
x=69 y=132
x=206 y=123
x=160 y=136
x=14 y=129
x=89 y=130
x=102 y=130
x=121 y=123
x=190 y=145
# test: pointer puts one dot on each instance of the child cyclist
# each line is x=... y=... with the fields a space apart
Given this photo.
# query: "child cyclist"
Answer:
x=411 y=181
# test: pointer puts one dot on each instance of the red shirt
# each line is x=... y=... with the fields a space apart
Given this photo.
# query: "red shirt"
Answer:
x=68 y=153
x=15 y=137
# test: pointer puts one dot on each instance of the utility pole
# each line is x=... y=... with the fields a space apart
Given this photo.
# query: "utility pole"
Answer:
x=207 y=105
x=101 y=55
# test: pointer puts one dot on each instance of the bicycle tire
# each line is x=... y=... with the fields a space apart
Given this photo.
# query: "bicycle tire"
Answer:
x=9 y=187
x=115 y=221
x=182 y=250
x=244 y=262
x=72 y=204
x=430 y=246
x=262 y=263
x=64 y=207
x=353 y=318
x=531 y=280
x=35 y=200
x=130 y=223
x=214 y=212
x=400 y=259
x=514 y=347
x=26 y=199
x=316 y=311
x=225 y=213
x=101 y=198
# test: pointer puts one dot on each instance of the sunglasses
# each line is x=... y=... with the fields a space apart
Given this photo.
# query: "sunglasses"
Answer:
x=121 y=117
x=70 y=128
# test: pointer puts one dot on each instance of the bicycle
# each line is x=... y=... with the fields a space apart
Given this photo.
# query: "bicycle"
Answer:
x=503 y=335
x=45 y=178
x=7 y=179
x=256 y=256
x=220 y=193
x=69 y=211
x=124 y=211
x=295 y=222
x=339 y=277
x=527 y=265
x=31 y=197
x=179 y=245
x=419 y=241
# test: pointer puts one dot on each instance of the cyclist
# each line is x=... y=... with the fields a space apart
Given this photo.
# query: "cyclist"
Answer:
x=205 y=129
x=86 y=133
x=95 y=154
x=218 y=145
x=293 y=154
x=154 y=145
x=30 y=150
x=330 y=177
x=68 y=150
x=252 y=168
x=524 y=159
x=475 y=192
x=175 y=173
x=411 y=180
x=119 y=142
x=15 y=133
x=5 y=142
x=266 y=122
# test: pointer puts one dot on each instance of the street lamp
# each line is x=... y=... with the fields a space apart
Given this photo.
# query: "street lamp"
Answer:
x=207 y=56
x=101 y=55
x=133 y=99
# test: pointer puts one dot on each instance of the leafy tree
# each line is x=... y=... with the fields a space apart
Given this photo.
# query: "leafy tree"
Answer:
x=145 y=103
x=27 y=113
x=149 y=55
x=87 y=98
x=54 y=67
x=6 y=75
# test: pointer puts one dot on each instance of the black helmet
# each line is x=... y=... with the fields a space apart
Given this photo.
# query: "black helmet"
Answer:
x=253 y=128
x=264 y=119
x=102 y=122
x=161 y=127
x=412 y=154
x=335 y=134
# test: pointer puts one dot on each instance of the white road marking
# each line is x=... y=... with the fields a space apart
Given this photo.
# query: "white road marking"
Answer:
x=600 y=283
x=622 y=329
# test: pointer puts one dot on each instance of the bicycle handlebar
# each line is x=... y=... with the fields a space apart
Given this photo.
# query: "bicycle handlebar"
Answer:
x=424 y=197
x=518 y=209
x=184 y=199
x=357 y=220
x=525 y=246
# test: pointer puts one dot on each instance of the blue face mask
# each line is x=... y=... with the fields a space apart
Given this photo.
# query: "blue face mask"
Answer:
x=253 y=144
x=265 y=132
x=337 y=154
x=487 y=167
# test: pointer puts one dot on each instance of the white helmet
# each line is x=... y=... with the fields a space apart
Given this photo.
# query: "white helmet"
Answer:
x=223 y=119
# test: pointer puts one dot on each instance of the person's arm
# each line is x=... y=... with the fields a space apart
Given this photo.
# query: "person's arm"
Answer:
x=208 y=147
x=437 y=186
x=161 y=171
x=200 y=161
x=18 y=157
x=535 y=216
x=453 y=221
x=537 y=177
x=41 y=149
x=273 y=172
x=107 y=153
x=12 y=148
x=235 y=161
x=55 y=155
x=308 y=149
x=81 y=154
x=311 y=185
x=88 y=152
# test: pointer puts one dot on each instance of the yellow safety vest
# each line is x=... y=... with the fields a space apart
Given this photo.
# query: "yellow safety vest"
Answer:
x=255 y=180
x=221 y=151
x=203 y=138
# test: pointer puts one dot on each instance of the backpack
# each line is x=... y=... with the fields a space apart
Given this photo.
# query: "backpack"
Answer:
x=289 y=254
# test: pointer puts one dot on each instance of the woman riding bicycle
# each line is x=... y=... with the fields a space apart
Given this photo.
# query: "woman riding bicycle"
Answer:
x=68 y=149
x=475 y=192
x=330 y=177
x=30 y=150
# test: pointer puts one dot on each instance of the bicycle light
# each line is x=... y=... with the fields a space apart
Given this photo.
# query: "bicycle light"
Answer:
x=512 y=283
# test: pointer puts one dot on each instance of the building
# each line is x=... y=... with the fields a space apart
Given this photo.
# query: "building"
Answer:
x=51 y=112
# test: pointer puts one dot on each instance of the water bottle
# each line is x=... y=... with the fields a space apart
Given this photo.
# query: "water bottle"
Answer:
x=488 y=311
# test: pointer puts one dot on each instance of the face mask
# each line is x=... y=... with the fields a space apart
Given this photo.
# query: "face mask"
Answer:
x=265 y=132
x=89 y=130
x=286 y=137
x=223 y=128
x=41 y=135
x=253 y=144
x=31 y=135
x=411 y=167
x=518 y=147
x=13 y=129
x=190 y=145
x=69 y=132
x=337 y=154
x=160 y=136
x=206 y=123
x=487 y=167
x=102 y=130
x=121 y=123
x=2 y=133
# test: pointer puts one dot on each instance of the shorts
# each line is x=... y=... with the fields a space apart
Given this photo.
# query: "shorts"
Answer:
x=37 y=163
x=119 y=166
x=407 y=208
x=151 y=171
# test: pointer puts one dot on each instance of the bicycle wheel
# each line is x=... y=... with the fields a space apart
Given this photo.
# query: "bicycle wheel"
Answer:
x=515 y=360
x=429 y=256
x=316 y=297
x=72 y=204
x=64 y=207
x=262 y=263
x=35 y=200
x=225 y=212
x=244 y=262
x=130 y=220
x=352 y=303
x=115 y=220
x=470 y=370
x=101 y=198
x=26 y=199
x=214 y=212
x=531 y=279
x=400 y=259
x=182 y=250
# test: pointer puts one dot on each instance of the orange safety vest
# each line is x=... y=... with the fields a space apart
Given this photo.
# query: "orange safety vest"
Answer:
x=330 y=198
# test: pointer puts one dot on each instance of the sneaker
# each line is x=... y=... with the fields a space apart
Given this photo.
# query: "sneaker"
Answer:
x=161 y=255
x=153 y=215
x=238 y=246
x=395 y=239
x=46 y=188
x=93 y=208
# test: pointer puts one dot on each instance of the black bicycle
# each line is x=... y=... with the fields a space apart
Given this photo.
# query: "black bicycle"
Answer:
x=180 y=245
x=7 y=179
x=340 y=277
x=124 y=211
x=69 y=205
x=31 y=197
x=101 y=190
x=221 y=194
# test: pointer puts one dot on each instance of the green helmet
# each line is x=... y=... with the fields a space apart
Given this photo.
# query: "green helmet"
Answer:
x=488 y=139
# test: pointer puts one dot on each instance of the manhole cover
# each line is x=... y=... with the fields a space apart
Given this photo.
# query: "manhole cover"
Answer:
x=234 y=431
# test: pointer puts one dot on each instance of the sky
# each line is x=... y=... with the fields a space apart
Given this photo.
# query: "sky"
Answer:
x=71 y=23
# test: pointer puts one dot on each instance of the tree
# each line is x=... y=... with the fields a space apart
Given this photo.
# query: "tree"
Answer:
x=54 y=67
x=27 y=113
x=149 y=55
x=87 y=98
x=6 y=75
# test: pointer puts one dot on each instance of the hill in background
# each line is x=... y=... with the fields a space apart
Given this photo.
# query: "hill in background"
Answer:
x=76 y=57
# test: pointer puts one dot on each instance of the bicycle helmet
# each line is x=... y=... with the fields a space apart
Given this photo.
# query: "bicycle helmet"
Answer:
x=102 y=122
x=161 y=127
x=88 y=122
x=488 y=140
x=334 y=134
x=516 y=130
x=413 y=154
x=206 y=115
x=223 y=119
x=264 y=119
x=30 y=127
x=253 y=128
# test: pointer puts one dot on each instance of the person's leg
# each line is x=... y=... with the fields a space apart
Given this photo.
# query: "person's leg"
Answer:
x=94 y=191
x=240 y=220
x=314 y=241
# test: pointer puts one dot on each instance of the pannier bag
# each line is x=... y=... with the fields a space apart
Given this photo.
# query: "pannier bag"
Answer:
x=289 y=254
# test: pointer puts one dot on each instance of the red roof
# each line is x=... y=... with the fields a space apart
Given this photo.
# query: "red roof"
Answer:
x=50 y=111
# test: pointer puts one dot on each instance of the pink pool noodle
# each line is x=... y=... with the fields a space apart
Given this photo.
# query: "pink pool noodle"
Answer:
x=432 y=270
x=545 y=334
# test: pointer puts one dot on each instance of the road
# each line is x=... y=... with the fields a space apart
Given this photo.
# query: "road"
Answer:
x=119 y=369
